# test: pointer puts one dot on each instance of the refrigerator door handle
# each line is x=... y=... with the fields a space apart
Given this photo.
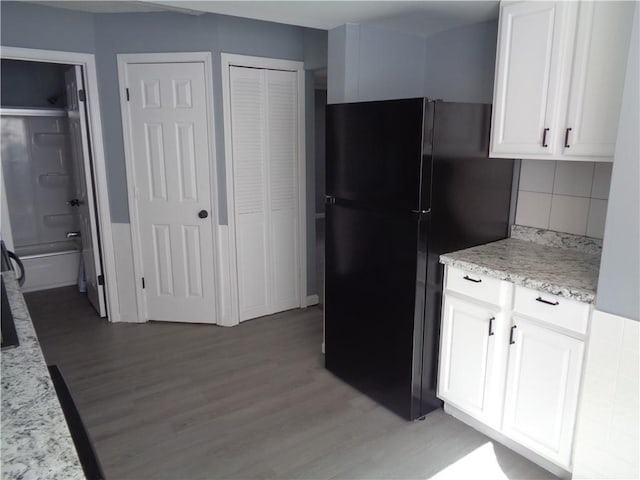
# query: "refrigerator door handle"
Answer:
x=428 y=210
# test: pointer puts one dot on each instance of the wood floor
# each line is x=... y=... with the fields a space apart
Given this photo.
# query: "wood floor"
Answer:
x=179 y=401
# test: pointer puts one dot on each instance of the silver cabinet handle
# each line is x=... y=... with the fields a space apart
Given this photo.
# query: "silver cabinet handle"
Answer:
x=73 y=234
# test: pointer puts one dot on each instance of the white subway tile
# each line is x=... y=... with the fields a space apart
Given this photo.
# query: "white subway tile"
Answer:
x=597 y=218
x=569 y=214
x=537 y=175
x=601 y=180
x=607 y=331
x=631 y=336
x=533 y=209
x=573 y=178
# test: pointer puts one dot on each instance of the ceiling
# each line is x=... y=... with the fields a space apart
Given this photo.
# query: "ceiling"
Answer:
x=415 y=17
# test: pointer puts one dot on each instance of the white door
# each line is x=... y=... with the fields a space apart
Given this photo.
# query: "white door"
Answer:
x=597 y=77
x=264 y=126
x=467 y=364
x=542 y=390
x=527 y=79
x=170 y=146
x=85 y=200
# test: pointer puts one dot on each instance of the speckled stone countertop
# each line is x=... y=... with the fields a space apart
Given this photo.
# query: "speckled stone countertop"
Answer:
x=570 y=272
x=36 y=443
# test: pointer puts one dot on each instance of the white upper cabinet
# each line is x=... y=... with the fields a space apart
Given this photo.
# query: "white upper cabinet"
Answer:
x=527 y=78
x=559 y=76
x=597 y=78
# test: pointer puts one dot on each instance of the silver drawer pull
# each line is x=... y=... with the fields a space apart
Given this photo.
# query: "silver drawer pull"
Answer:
x=467 y=277
x=542 y=300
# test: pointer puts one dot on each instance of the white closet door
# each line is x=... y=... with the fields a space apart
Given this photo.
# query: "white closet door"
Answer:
x=264 y=126
x=168 y=118
x=282 y=128
x=248 y=102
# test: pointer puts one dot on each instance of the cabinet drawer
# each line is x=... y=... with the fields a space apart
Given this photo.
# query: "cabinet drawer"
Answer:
x=481 y=287
x=552 y=309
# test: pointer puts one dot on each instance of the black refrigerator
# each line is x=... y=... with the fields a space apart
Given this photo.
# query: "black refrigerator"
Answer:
x=407 y=180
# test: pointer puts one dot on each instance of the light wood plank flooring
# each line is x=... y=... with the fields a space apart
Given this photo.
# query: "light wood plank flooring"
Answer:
x=179 y=401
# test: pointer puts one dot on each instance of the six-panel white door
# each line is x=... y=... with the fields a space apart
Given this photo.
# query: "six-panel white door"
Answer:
x=80 y=151
x=525 y=103
x=542 y=386
x=597 y=78
x=467 y=357
x=264 y=132
x=168 y=121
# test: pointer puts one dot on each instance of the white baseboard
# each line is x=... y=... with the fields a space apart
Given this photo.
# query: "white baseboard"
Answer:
x=312 y=300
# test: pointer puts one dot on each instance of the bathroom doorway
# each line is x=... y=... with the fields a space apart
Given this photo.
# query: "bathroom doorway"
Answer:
x=49 y=178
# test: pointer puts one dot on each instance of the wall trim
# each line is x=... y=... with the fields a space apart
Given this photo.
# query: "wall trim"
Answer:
x=168 y=57
x=313 y=300
x=227 y=61
x=88 y=63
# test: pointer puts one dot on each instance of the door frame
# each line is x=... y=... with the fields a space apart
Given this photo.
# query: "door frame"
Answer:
x=124 y=59
x=96 y=145
x=228 y=60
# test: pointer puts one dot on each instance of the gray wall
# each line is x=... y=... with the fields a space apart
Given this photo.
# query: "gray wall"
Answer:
x=36 y=26
x=619 y=282
x=372 y=63
x=173 y=32
x=32 y=84
x=460 y=63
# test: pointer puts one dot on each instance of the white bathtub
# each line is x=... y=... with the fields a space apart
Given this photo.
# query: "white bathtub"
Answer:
x=49 y=265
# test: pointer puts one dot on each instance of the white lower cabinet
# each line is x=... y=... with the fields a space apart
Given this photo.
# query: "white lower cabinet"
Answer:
x=517 y=373
x=469 y=357
x=541 y=394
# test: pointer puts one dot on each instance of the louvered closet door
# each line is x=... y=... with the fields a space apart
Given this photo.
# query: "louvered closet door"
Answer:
x=282 y=135
x=264 y=137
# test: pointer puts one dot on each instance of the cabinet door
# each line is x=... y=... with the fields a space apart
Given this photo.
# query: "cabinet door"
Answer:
x=264 y=136
x=597 y=78
x=467 y=361
x=530 y=50
x=542 y=390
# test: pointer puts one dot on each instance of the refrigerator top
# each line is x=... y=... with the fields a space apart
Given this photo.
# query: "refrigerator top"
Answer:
x=374 y=153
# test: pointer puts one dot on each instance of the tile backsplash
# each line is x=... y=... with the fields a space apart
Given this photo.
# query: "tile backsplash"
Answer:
x=564 y=196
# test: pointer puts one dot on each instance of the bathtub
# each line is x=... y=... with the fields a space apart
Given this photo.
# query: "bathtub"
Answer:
x=50 y=265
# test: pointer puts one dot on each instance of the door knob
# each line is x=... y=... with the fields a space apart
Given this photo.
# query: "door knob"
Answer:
x=203 y=214
x=73 y=234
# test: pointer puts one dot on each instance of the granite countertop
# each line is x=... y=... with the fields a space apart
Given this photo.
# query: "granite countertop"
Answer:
x=36 y=443
x=569 y=271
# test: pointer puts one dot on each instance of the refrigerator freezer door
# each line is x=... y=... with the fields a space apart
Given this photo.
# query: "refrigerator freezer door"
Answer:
x=371 y=300
x=374 y=153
